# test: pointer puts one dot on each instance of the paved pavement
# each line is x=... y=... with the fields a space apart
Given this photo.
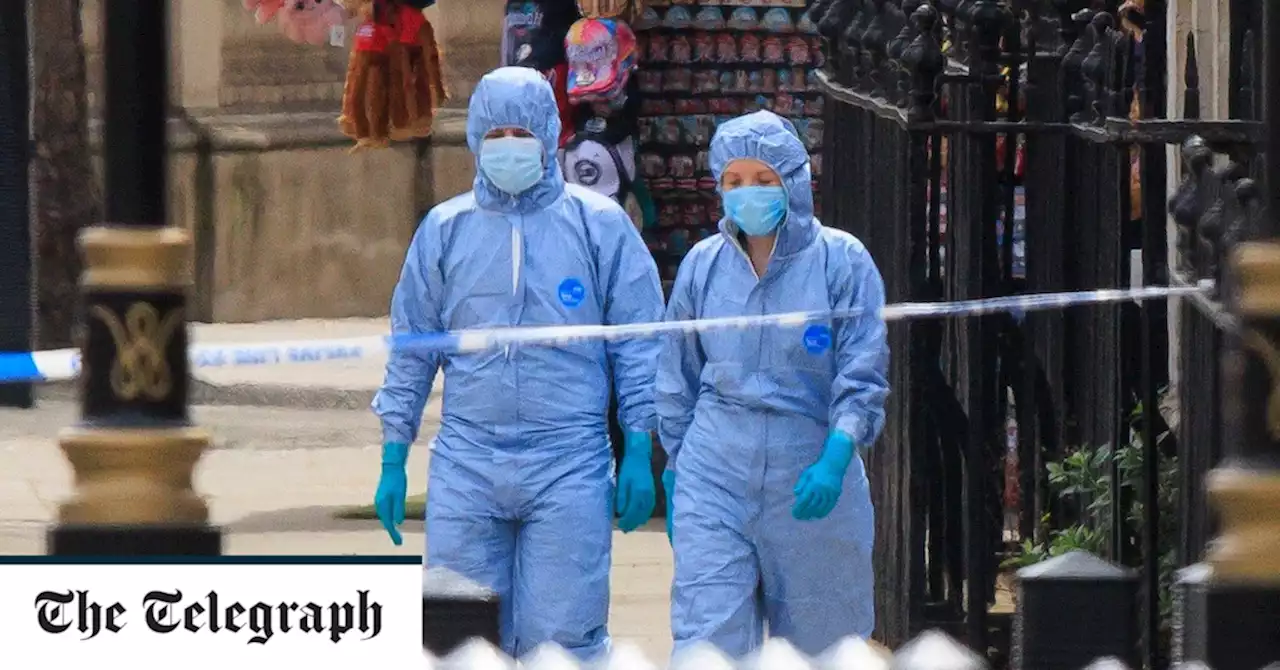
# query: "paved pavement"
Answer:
x=293 y=445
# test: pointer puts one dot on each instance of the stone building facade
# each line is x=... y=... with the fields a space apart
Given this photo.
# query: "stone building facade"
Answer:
x=288 y=223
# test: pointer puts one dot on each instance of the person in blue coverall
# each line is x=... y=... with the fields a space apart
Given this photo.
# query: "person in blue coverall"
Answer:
x=769 y=508
x=520 y=489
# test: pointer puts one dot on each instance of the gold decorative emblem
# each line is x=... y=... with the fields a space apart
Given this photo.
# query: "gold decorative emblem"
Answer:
x=141 y=340
x=1270 y=355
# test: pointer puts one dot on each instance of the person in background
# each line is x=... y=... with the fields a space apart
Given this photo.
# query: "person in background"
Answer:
x=520 y=490
x=769 y=508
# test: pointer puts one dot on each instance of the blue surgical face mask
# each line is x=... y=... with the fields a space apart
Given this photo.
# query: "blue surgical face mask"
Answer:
x=513 y=164
x=757 y=210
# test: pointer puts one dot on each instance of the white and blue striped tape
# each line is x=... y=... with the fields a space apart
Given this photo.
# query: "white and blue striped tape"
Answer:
x=63 y=364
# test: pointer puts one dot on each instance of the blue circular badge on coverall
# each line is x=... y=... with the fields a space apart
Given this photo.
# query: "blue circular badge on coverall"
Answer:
x=817 y=338
x=572 y=292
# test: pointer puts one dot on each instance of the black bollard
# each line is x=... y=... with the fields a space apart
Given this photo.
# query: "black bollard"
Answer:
x=1072 y=610
x=15 y=219
x=456 y=610
x=134 y=448
x=1230 y=605
x=1225 y=626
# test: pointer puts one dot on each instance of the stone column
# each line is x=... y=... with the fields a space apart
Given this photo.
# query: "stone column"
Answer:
x=471 y=36
x=195 y=53
x=1209 y=22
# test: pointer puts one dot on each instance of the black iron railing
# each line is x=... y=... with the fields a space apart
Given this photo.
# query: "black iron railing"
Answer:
x=984 y=148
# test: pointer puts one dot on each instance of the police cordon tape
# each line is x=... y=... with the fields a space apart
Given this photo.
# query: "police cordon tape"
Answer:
x=63 y=364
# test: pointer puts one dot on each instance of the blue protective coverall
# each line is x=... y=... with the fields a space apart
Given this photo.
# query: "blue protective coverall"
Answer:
x=743 y=412
x=520 y=482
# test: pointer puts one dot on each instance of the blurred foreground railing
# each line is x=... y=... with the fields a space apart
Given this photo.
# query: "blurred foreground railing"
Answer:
x=460 y=630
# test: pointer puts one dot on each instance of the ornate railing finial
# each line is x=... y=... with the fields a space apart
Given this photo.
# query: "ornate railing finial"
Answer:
x=832 y=20
x=1096 y=68
x=1073 y=63
x=818 y=11
x=874 y=42
x=901 y=95
x=1214 y=208
x=988 y=19
x=924 y=59
x=851 y=40
x=1068 y=29
x=1187 y=206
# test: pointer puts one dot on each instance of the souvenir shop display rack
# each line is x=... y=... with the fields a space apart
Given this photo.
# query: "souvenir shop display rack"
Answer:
x=702 y=63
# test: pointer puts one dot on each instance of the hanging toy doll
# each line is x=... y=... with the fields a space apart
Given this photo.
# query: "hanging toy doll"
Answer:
x=365 y=96
x=309 y=21
x=263 y=10
x=420 y=73
x=302 y=21
x=394 y=76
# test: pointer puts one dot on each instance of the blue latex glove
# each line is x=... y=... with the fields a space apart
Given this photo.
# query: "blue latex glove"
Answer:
x=819 y=485
x=636 y=492
x=388 y=501
x=669 y=486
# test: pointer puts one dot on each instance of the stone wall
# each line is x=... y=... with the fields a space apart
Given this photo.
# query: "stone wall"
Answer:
x=254 y=68
x=287 y=222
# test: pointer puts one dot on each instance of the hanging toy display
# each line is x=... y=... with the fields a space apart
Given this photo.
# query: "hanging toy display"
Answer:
x=394 y=77
x=601 y=56
x=302 y=21
x=702 y=63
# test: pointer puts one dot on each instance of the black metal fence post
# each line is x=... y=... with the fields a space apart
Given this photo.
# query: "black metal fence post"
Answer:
x=15 y=221
x=135 y=447
x=1152 y=98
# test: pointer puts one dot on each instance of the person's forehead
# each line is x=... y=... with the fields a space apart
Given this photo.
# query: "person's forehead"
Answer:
x=747 y=166
x=508 y=130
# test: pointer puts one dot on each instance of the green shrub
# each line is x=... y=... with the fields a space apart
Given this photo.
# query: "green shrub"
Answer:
x=1082 y=480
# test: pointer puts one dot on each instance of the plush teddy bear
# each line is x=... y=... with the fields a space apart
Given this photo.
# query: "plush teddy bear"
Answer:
x=309 y=21
x=303 y=21
x=263 y=10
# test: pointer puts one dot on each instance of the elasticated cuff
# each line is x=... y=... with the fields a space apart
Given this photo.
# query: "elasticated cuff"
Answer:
x=395 y=453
